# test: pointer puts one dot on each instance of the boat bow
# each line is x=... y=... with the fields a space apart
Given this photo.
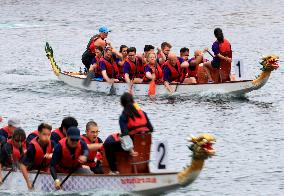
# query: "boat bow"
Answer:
x=202 y=149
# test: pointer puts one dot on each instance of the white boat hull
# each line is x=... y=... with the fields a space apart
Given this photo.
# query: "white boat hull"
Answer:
x=154 y=183
x=236 y=87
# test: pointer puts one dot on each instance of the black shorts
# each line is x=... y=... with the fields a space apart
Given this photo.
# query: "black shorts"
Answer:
x=215 y=63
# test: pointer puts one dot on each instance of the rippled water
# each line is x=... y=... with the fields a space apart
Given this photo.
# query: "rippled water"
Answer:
x=249 y=130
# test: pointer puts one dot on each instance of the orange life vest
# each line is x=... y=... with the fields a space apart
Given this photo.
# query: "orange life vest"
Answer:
x=92 y=154
x=16 y=154
x=111 y=68
x=158 y=73
x=225 y=67
x=136 y=69
x=59 y=133
x=68 y=162
x=138 y=124
x=39 y=155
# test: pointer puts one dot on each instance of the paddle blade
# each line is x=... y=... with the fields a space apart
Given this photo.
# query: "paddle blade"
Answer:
x=88 y=79
x=152 y=88
x=112 y=90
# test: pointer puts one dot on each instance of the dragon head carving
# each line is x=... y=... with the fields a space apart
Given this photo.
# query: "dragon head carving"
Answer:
x=202 y=146
x=269 y=62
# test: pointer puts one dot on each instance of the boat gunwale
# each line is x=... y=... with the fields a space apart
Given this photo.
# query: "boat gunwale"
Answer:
x=99 y=175
x=120 y=82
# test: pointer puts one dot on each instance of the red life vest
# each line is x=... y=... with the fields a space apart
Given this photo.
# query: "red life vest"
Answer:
x=177 y=73
x=136 y=69
x=91 y=45
x=158 y=73
x=225 y=67
x=92 y=154
x=6 y=130
x=138 y=124
x=39 y=154
x=16 y=155
x=59 y=133
x=68 y=162
x=111 y=68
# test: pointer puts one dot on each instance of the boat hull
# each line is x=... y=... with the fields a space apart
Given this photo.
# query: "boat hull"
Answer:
x=234 y=87
x=153 y=183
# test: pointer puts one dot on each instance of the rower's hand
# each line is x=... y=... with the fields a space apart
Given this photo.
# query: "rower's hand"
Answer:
x=57 y=184
x=111 y=81
x=48 y=155
x=133 y=153
x=109 y=43
x=228 y=59
x=159 y=50
x=29 y=185
x=116 y=80
x=82 y=159
x=1 y=118
x=205 y=50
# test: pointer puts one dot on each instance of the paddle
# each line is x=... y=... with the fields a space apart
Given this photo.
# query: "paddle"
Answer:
x=88 y=79
x=66 y=178
x=152 y=88
x=6 y=176
x=152 y=84
x=210 y=53
x=112 y=90
x=13 y=165
x=38 y=171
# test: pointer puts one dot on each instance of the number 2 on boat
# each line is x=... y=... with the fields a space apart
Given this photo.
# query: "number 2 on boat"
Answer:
x=161 y=152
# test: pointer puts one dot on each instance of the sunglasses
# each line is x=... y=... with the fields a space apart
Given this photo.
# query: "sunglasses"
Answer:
x=74 y=140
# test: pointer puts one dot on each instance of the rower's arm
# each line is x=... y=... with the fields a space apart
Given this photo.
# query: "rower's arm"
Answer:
x=126 y=77
x=57 y=155
x=150 y=76
x=168 y=87
x=123 y=124
x=1 y=173
x=94 y=147
x=196 y=61
x=224 y=57
x=25 y=173
x=184 y=64
x=105 y=76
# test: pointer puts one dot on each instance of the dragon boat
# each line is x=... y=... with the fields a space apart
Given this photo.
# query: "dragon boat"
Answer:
x=134 y=176
x=76 y=79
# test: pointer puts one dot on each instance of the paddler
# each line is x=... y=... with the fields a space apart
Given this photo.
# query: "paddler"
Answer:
x=38 y=154
x=107 y=69
x=13 y=150
x=60 y=133
x=7 y=131
x=97 y=40
x=173 y=71
x=152 y=69
x=133 y=68
x=164 y=52
x=69 y=155
x=191 y=71
x=133 y=120
x=94 y=144
x=222 y=59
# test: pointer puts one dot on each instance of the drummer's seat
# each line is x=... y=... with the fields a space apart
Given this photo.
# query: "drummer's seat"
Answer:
x=127 y=164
